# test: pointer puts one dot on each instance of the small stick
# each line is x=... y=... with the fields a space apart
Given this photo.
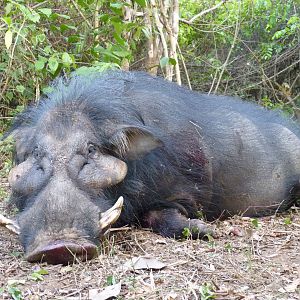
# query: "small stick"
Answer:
x=9 y=224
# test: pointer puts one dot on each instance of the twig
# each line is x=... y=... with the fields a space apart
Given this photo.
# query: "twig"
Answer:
x=237 y=27
x=96 y=18
x=159 y=26
x=184 y=67
x=262 y=81
x=11 y=58
x=9 y=224
x=202 y=13
x=81 y=14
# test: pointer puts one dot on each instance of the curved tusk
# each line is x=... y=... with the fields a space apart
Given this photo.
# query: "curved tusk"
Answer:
x=111 y=215
x=9 y=224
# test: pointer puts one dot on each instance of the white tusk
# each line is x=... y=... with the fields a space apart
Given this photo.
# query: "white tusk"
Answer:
x=111 y=215
x=9 y=224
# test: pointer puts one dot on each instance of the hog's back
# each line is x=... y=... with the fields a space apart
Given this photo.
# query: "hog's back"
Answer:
x=252 y=153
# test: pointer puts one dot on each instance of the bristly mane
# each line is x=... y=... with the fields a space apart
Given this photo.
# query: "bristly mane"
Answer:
x=77 y=91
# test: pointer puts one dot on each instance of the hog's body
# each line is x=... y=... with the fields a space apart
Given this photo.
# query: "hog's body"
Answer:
x=168 y=151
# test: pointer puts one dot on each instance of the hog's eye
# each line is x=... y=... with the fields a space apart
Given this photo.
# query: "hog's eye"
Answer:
x=37 y=153
x=92 y=150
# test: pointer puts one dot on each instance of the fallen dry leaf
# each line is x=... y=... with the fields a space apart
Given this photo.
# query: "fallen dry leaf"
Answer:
x=171 y=296
x=142 y=262
x=108 y=292
x=291 y=288
x=235 y=231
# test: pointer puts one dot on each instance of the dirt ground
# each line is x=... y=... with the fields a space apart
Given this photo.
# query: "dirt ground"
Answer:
x=248 y=260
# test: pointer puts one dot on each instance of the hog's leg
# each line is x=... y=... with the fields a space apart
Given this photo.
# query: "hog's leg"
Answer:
x=171 y=223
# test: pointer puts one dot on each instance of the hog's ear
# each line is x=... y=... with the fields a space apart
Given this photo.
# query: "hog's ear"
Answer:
x=23 y=141
x=134 y=142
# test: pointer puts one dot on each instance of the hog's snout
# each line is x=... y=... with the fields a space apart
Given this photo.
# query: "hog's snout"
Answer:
x=30 y=175
x=62 y=238
x=63 y=252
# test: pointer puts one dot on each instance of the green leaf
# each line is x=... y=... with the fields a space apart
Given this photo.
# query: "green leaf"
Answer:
x=39 y=275
x=30 y=14
x=17 y=253
x=42 y=272
x=8 y=38
x=99 y=67
x=7 y=20
x=121 y=53
x=8 y=8
x=66 y=59
x=35 y=17
x=164 y=61
x=64 y=27
x=119 y=39
x=53 y=64
x=111 y=280
x=117 y=5
x=172 y=61
x=255 y=223
x=41 y=37
x=39 y=64
x=73 y=38
x=46 y=11
x=15 y=293
x=142 y=3
x=146 y=32
x=47 y=90
x=118 y=27
x=186 y=232
x=293 y=20
x=206 y=291
x=48 y=50
x=64 y=16
x=20 y=88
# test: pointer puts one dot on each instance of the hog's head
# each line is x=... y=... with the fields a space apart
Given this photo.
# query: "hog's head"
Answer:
x=68 y=155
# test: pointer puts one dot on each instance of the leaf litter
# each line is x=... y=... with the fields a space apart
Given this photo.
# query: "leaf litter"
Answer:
x=246 y=261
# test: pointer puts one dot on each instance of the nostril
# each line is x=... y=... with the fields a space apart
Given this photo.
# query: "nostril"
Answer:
x=40 y=168
x=62 y=252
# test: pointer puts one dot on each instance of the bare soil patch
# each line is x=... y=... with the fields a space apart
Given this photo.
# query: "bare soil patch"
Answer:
x=246 y=261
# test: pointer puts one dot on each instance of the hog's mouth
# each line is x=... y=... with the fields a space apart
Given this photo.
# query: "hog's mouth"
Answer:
x=64 y=251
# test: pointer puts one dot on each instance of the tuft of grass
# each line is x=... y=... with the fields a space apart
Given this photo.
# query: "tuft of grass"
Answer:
x=38 y=275
x=111 y=280
x=14 y=292
x=186 y=232
x=255 y=223
x=287 y=221
x=207 y=291
x=228 y=247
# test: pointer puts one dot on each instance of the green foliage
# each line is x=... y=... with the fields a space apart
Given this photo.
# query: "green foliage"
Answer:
x=38 y=275
x=45 y=39
x=207 y=292
x=255 y=223
x=6 y=148
x=287 y=221
x=211 y=240
x=228 y=247
x=186 y=233
x=266 y=30
x=111 y=280
x=15 y=293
